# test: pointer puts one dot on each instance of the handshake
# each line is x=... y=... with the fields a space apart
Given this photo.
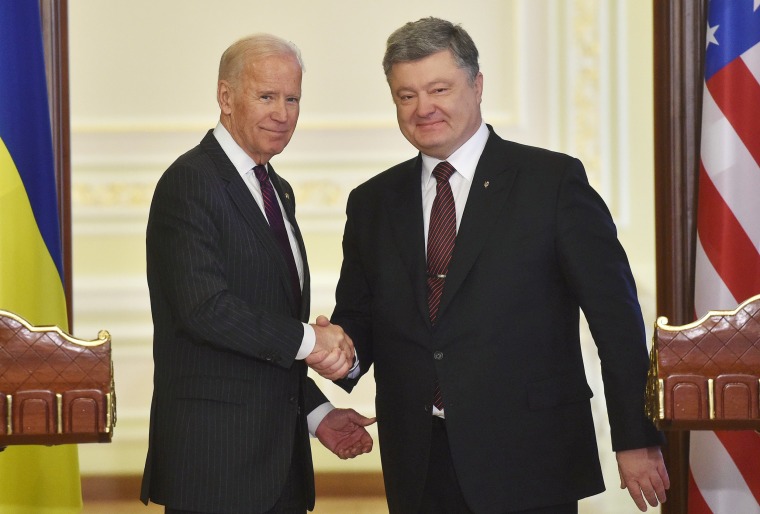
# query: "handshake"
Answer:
x=342 y=431
x=333 y=354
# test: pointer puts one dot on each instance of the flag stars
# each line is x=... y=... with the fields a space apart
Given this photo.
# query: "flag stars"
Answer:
x=711 y=33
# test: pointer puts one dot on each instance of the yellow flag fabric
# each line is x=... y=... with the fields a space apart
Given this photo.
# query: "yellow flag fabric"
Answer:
x=33 y=479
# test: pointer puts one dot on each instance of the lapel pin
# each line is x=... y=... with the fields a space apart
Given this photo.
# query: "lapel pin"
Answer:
x=287 y=195
x=486 y=184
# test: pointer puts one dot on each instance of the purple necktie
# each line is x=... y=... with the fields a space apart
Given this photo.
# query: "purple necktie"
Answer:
x=277 y=224
x=442 y=233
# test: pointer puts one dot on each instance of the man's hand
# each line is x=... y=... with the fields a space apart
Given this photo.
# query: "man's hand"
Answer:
x=333 y=353
x=643 y=473
x=342 y=432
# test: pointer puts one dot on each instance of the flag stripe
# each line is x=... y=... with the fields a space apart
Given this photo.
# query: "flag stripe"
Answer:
x=725 y=243
x=744 y=116
x=697 y=503
x=23 y=93
x=720 y=482
x=709 y=289
x=744 y=447
x=752 y=59
x=26 y=267
x=731 y=167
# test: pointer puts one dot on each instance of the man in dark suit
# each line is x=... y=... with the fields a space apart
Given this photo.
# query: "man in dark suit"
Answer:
x=462 y=283
x=229 y=286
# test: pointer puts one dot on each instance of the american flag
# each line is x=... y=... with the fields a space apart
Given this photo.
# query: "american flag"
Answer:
x=724 y=466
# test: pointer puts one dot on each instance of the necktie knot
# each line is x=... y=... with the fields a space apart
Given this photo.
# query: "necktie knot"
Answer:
x=261 y=173
x=443 y=171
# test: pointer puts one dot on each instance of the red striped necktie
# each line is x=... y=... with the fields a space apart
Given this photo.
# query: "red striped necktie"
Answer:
x=442 y=233
x=277 y=224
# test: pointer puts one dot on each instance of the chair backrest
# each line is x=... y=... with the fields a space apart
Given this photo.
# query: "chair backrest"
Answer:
x=706 y=375
x=54 y=388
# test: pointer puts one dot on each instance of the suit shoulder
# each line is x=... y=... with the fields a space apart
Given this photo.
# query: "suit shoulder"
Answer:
x=390 y=177
x=540 y=157
x=194 y=159
x=193 y=166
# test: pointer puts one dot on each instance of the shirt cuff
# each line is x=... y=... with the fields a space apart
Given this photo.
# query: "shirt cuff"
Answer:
x=315 y=417
x=307 y=343
x=355 y=370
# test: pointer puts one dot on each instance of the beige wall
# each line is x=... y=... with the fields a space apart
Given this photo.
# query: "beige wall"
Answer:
x=571 y=75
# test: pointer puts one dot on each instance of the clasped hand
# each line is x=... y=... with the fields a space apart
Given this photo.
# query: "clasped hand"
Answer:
x=333 y=353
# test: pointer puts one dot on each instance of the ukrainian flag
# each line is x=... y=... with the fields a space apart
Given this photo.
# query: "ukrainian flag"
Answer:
x=33 y=479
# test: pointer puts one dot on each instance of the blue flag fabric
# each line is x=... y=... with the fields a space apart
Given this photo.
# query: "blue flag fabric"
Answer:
x=33 y=479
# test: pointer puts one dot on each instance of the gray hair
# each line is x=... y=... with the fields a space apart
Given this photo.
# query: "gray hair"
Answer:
x=254 y=47
x=419 y=39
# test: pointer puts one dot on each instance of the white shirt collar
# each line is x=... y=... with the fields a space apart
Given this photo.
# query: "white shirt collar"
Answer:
x=464 y=159
x=241 y=160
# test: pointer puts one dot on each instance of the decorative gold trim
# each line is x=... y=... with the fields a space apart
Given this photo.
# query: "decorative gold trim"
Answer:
x=662 y=321
x=711 y=396
x=103 y=335
x=108 y=412
x=661 y=396
x=111 y=404
x=9 y=421
x=655 y=399
x=59 y=418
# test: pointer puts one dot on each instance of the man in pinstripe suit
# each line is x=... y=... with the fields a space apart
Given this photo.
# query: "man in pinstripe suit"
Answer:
x=232 y=404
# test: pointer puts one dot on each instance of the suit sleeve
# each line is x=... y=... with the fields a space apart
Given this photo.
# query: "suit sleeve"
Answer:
x=184 y=256
x=353 y=296
x=598 y=273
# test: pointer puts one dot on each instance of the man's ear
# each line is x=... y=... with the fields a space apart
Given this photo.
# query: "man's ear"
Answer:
x=479 y=86
x=224 y=96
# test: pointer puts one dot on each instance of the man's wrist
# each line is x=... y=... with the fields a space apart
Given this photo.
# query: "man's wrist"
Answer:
x=315 y=417
x=307 y=343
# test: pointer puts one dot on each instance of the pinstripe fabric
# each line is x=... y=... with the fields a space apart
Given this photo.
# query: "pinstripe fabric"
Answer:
x=227 y=390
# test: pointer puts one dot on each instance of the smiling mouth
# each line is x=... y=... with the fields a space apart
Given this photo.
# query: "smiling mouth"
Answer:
x=276 y=132
x=429 y=124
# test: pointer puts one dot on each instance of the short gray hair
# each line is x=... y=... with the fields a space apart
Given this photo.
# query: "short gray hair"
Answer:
x=254 y=47
x=419 y=39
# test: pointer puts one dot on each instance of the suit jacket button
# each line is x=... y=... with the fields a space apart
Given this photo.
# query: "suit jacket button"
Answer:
x=438 y=356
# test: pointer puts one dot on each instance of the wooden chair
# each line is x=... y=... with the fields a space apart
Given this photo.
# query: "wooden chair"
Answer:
x=54 y=388
x=706 y=375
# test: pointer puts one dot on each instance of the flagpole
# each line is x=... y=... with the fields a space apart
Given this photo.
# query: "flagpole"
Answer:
x=54 y=14
x=679 y=42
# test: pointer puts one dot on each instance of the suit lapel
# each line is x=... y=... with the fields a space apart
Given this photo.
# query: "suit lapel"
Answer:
x=488 y=195
x=404 y=205
x=251 y=212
